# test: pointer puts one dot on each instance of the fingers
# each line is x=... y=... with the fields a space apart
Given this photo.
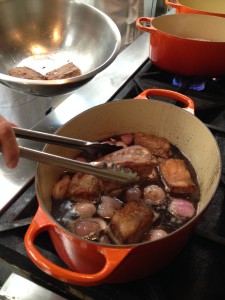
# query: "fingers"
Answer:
x=8 y=144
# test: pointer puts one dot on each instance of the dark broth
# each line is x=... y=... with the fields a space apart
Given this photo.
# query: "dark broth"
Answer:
x=63 y=213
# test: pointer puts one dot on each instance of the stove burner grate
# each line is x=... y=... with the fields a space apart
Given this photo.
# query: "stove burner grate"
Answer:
x=202 y=261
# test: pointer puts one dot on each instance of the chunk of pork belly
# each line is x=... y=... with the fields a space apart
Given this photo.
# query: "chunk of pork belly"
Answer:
x=26 y=72
x=112 y=188
x=136 y=158
x=66 y=71
x=132 y=223
x=156 y=145
x=176 y=175
x=84 y=185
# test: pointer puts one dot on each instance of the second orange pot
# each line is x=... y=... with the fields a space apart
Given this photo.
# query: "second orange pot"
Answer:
x=186 y=44
x=208 y=7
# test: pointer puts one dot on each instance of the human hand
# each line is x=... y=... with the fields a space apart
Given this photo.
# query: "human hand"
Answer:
x=8 y=143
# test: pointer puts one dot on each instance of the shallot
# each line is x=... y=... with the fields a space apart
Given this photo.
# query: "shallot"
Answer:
x=84 y=209
x=133 y=194
x=89 y=228
x=154 y=194
x=157 y=234
x=108 y=206
x=181 y=208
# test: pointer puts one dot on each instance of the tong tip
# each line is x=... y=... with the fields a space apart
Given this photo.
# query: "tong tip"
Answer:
x=117 y=173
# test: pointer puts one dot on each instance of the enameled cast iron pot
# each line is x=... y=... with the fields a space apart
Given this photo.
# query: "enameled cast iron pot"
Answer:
x=209 y=7
x=186 y=44
x=93 y=263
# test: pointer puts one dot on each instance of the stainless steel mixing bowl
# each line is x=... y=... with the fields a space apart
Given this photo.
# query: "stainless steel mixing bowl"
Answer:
x=46 y=34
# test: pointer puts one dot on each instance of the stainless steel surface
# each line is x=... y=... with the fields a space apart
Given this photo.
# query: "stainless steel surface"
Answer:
x=47 y=34
x=102 y=170
x=124 y=14
x=19 y=288
x=90 y=147
x=97 y=91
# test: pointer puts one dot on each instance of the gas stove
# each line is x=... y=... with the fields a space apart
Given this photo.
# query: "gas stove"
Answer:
x=198 y=272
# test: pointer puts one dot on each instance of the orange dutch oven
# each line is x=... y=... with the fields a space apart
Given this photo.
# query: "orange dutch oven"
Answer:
x=209 y=7
x=90 y=263
x=186 y=44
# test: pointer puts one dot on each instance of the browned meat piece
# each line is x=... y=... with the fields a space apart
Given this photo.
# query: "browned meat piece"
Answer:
x=135 y=157
x=61 y=187
x=66 y=71
x=112 y=188
x=156 y=145
x=26 y=73
x=176 y=176
x=132 y=223
x=84 y=185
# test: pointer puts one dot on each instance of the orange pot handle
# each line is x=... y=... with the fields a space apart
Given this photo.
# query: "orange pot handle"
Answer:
x=42 y=223
x=142 y=27
x=174 y=4
x=169 y=94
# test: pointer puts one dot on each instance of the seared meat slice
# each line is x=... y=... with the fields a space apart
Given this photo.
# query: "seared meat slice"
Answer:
x=66 y=71
x=156 y=145
x=176 y=175
x=84 y=185
x=26 y=73
x=136 y=158
x=132 y=223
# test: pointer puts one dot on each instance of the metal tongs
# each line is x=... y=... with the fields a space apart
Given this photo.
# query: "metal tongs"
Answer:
x=109 y=172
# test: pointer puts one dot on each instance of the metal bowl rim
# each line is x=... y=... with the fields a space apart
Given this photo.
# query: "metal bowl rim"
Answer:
x=79 y=78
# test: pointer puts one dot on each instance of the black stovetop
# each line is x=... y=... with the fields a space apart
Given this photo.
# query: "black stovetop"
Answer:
x=198 y=272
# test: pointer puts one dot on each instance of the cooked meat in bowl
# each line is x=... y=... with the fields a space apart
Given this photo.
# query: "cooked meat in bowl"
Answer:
x=47 y=34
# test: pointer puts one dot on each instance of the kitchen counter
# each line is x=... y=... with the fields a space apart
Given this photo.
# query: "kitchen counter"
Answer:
x=97 y=91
